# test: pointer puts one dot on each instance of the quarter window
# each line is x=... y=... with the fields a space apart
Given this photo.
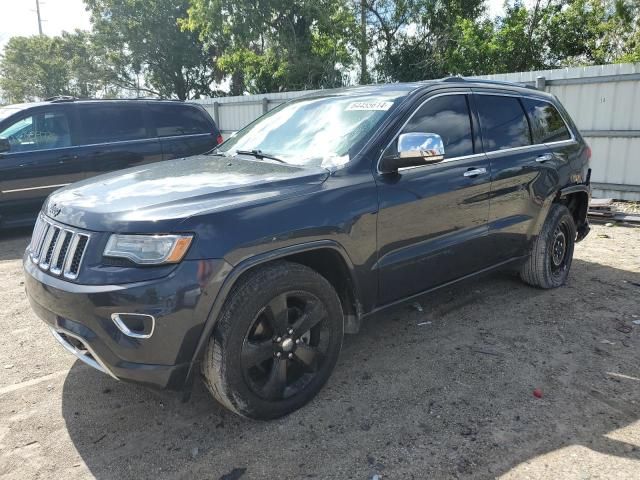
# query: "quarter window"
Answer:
x=112 y=123
x=547 y=124
x=447 y=116
x=173 y=120
x=41 y=131
x=503 y=122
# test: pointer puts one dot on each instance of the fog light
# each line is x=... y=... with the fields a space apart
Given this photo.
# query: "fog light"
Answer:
x=136 y=325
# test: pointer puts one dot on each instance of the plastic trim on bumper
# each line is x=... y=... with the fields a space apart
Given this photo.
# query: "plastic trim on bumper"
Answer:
x=87 y=356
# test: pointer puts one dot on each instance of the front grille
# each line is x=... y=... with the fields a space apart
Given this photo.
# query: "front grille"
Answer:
x=57 y=249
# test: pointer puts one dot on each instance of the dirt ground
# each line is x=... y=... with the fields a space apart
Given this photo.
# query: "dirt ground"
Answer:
x=443 y=393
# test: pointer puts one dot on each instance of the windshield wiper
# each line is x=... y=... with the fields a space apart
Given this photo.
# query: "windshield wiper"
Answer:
x=259 y=154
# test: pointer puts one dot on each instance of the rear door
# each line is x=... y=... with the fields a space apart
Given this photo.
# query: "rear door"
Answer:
x=548 y=127
x=432 y=222
x=43 y=157
x=521 y=173
x=116 y=135
x=183 y=129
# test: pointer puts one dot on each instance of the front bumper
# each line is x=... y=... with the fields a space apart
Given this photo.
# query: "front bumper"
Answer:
x=80 y=317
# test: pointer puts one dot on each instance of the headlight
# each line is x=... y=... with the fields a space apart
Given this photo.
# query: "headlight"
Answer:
x=148 y=249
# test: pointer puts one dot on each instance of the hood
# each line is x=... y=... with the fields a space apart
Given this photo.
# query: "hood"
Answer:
x=141 y=198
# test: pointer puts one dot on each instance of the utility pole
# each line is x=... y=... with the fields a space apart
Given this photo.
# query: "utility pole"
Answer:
x=39 y=19
x=364 y=50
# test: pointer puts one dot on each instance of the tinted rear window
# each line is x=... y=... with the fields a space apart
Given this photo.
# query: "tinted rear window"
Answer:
x=172 y=120
x=547 y=124
x=503 y=122
x=112 y=123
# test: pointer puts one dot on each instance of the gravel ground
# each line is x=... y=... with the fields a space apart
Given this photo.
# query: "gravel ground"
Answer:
x=443 y=393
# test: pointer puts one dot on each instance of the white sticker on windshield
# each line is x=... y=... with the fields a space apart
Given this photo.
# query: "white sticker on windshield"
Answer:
x=369 y=106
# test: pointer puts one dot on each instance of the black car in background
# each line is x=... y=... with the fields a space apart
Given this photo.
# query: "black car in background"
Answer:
x=48 y=145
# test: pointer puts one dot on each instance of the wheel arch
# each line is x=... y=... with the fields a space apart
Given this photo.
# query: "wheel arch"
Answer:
x=576 y=199
x=322 y=256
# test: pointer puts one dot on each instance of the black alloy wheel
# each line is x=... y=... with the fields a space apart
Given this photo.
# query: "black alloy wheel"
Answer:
x=286 y=345
x=276 y=341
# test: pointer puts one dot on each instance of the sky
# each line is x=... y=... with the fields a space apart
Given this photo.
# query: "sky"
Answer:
x=19 y=17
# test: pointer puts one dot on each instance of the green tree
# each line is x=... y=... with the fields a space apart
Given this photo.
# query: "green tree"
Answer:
x=33 y=68
x=39 y=67
x=146 y=50
x=274 y=45
x=412 y=38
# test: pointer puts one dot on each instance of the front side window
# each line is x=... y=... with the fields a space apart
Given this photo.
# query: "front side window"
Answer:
x=319 y=131
x=175 y=120
x=547 y=124
x=447 y=116
x=112 y=123
x=41 y=131
x=503 y=122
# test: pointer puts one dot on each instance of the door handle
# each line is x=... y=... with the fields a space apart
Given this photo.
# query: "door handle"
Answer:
x=474 y=172
x=66 y=158
x=544 y=158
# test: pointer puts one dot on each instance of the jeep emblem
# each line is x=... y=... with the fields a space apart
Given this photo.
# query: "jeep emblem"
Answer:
x=54 y=210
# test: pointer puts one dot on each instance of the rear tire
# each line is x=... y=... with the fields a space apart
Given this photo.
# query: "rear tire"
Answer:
x=551 y=254
x=276 y=342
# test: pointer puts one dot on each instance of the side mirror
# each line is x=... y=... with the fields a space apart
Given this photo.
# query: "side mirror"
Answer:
x=414 y=149
x=5 y=146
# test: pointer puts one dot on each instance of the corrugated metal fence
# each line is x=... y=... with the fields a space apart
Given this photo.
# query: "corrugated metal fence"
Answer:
x=603 y=101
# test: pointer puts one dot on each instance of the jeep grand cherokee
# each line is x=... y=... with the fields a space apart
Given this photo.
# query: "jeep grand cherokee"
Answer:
x=250 y=263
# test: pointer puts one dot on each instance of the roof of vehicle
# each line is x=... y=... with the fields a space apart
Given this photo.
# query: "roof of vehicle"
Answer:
x=407 y=88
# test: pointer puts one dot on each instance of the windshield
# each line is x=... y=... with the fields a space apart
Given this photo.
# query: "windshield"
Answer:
x=325 y=131
x=6 y=111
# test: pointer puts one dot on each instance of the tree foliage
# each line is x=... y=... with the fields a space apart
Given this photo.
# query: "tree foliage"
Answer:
x=39 y=67
x=274 y=45
x=189 y=48
x=146 y=50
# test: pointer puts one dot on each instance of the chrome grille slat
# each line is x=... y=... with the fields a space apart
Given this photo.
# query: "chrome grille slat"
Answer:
x=37 y=230
x=37 y=245
x=57 y=248
x=45 y=262
x=57 y=259
x=75 y=255
x=46 y=245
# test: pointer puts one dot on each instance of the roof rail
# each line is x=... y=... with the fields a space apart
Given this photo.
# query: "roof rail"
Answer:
x=60 y=98
x=457 y=78
x=69 y=98
x=148 y=99
x=489 y=82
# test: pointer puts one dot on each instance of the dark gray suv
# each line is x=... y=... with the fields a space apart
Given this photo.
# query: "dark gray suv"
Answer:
x=250 y=263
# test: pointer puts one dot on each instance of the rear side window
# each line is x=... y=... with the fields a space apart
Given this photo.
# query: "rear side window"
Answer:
x=547 y=124
x=174 y=120
x=447 y=116
x=503 y=122
x=41 y=131
x=112 y=123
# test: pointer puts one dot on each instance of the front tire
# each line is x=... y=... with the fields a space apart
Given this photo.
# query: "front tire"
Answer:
x=551 y=255
x=276 y=342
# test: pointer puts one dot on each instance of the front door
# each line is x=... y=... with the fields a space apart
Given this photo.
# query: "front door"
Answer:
x=432 y=220
x=42 y=158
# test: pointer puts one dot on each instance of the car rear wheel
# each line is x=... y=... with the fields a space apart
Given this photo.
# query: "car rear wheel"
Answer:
x=551 y=255
x=276 y=342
